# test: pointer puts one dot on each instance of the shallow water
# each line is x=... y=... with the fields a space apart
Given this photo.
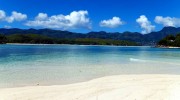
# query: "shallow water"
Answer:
x=22 y=65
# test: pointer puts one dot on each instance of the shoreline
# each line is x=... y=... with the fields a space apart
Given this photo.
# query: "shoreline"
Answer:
x=71 y=44
x=162 y=47
x=117 y=87
x=167 y=47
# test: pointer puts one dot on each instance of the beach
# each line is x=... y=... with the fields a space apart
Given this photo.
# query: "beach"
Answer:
x=89 y=50
x=118 y=87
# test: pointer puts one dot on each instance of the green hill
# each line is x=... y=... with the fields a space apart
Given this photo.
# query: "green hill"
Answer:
x=142 y=39
x=170 y=40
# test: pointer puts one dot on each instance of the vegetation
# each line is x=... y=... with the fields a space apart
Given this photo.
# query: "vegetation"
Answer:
x=142 y=39
x=49 y=36
x=103 y=42
x=29 y=38
x=3 y=39
x=170 y=40
x=41 y=39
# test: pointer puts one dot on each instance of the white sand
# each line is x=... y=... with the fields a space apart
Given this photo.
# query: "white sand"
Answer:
x=122 y=87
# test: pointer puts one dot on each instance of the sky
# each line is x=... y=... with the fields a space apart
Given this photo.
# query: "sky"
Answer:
x=84 y=16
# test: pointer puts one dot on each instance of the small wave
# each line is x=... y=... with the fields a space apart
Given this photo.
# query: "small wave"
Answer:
x=137 y=60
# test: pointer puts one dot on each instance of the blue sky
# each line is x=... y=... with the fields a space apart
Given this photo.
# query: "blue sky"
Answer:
x=91 y=15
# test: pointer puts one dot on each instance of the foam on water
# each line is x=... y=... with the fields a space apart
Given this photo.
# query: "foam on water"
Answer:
x=137 y=60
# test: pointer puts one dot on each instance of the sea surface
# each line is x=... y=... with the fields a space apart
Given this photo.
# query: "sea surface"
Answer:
x=30 y=65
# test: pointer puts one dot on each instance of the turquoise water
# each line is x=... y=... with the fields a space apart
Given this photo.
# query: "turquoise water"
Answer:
x=22 y=65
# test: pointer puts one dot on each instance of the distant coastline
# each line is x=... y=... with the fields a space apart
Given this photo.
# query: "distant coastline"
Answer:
x=71 y=44
x=50 y=36
x=157 y=46
x=42 y=39
x=167 y=47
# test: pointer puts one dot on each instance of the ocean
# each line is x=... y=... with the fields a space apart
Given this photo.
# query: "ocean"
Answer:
x=30 y=65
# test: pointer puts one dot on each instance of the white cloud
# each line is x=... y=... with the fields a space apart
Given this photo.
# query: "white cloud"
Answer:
x=111 y=23
x=145 y=24
x=2 y=14
x=168 y=21
x=16 y=16
x=42 y=16
x=7 y=26
x=76 y=19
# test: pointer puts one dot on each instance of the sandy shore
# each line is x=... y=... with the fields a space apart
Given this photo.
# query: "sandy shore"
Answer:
x=121 y=87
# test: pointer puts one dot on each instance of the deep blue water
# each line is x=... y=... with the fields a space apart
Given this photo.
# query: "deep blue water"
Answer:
x=22 y=65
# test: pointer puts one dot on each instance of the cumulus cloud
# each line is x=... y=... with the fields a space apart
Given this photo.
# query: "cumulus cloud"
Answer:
x=111 y=23
x=145 y=24
x=168 y=21
x=16 y=16
x=41 y=16
x=76 y=19
x=2 y=14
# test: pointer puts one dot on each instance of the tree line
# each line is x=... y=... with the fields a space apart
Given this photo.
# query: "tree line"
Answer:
x=170 y=40
x=41 y=39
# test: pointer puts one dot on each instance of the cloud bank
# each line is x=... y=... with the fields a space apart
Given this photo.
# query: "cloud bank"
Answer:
x=145 y=24
x=76 y=19
x=168 y=21
x=111 y=23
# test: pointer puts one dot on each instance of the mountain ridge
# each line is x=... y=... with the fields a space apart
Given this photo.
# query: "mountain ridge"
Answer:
x=143 y=39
